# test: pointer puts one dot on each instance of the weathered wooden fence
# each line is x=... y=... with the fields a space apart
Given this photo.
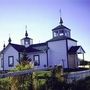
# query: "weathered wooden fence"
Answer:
x=70 y=77
x=28 y=72
x=74 y=76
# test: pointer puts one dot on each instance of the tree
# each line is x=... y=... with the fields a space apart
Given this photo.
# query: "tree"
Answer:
x=22 y=82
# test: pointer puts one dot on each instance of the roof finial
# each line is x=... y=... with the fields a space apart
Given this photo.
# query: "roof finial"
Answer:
x=4 y=45
x=60 y=12
x=61 y=21
x=26 y=34
x=9 y=40
x=26 y=27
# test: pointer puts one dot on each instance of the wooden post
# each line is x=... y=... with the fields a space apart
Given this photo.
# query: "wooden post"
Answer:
x=59 y=73
x=83 y=59
x=34 y=82
x=83 y=56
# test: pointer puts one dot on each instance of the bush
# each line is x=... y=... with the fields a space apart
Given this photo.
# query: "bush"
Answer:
x=5 y=84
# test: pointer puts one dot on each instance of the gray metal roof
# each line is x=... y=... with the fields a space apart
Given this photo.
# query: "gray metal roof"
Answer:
x=60 y=27
x=60 y=38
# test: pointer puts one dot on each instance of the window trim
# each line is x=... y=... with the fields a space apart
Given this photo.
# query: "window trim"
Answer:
x=10 y=65
x=2 y=63
x=38 y=60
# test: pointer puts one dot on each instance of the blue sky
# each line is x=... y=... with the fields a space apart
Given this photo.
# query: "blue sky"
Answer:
x=41 y=16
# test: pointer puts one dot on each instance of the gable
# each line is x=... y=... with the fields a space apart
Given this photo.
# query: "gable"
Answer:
x=19 y=48
x=76 y=49
x=80 y=50
x=10 y=49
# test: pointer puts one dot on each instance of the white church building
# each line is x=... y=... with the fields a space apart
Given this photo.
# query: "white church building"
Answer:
x=61 y=49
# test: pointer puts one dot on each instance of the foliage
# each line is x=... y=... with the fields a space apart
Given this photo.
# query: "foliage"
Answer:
x=83 y=84
x=22 y=67
x=41 y=77
x=5 y=84
x=22 y=82
x=24 y=60
x=84 y=62
x=40 y=80
x=54 y=82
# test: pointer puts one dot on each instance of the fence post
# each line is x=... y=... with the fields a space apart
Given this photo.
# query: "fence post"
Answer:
x=59 y=73
x=34 y=82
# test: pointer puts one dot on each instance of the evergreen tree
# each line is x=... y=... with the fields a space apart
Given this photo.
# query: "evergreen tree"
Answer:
x=22 y=82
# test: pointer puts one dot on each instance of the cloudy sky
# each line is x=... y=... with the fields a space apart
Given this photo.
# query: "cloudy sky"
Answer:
x=41 y=16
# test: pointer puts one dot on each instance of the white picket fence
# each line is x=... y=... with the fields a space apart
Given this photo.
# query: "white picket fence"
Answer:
x=74 y=76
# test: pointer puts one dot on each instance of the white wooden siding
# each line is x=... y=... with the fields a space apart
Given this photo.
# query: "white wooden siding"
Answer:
x=72 y=59
x=1 y=57
x=71 y=43
x=43 y=58
x=10 y=51
x=57 y=52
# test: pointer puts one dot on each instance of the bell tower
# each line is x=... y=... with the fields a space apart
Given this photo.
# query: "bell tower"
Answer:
x=26 y=41
x=61 y=30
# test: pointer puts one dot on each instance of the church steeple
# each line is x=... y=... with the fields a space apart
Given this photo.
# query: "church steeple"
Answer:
x=9 y=40
x=26 y=41
x=61 y=30
x=26 y=33
x=61 y=21
x=4 y=45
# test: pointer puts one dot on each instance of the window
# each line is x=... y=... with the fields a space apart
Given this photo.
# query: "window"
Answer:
x=2 y=62
x=61 y=34
x=36 y=60
x=26 y=42
x=55 y=33
x=10 y=61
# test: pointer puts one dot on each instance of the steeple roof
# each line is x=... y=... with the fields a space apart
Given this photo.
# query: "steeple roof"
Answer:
x=61 y=21
x=26 y=34
x=4 y=45
x=9 y=40
x=60 y=27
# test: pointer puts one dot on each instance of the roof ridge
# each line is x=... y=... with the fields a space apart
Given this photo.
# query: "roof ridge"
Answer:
x=16 y=44
x=60 y=27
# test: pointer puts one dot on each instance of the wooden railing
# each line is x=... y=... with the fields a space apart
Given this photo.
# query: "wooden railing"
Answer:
x=11 y=74
x=70 y=77
x=74 y=76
